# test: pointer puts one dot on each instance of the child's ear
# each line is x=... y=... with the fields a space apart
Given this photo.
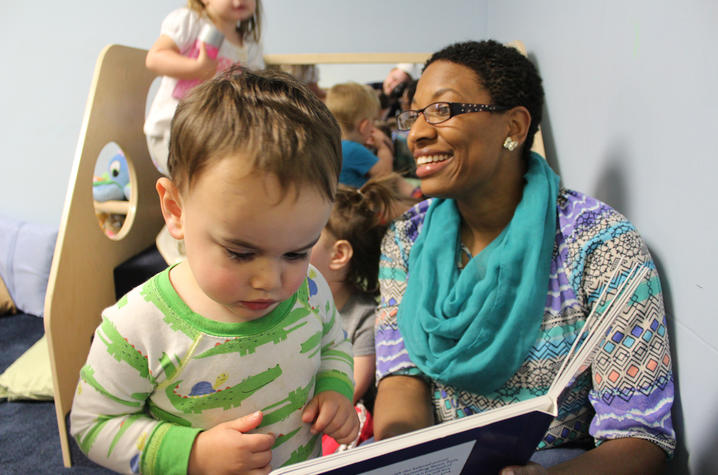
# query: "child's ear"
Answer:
x=171 y=203
x=364 y=126
x=342 y=253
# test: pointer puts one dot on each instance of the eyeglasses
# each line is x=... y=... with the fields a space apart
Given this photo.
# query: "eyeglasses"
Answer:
x=439 y=112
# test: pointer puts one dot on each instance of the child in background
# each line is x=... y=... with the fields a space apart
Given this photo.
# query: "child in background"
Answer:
x=347 y=255
x=355 y=106
x=183 y=55
x=234 y=358
x=308 y=74
x=390 y=90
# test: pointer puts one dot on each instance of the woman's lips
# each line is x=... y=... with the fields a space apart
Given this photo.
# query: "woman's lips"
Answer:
x=429 y=164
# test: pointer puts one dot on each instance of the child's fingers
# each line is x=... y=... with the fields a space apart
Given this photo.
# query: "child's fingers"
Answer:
x=310 y=411
x=246 y=423
x=348 y=430
x=259 y=460
x=324 y=417
x=259 y=443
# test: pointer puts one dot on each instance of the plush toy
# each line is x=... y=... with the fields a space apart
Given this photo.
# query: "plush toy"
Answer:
x=115 y=183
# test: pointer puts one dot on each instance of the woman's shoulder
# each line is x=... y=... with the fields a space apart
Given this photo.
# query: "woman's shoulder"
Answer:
x=591 y=231
x=579 y=212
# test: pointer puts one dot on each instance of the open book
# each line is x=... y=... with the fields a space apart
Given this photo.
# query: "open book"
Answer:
x=488 y=441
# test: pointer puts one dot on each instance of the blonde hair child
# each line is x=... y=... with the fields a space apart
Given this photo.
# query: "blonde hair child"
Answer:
x=356 y=106
x=186 y=54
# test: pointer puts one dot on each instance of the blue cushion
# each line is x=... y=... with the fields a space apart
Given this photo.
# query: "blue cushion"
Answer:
x=25 y=257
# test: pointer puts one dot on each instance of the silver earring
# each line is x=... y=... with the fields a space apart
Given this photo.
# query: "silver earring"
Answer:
x=510 y=144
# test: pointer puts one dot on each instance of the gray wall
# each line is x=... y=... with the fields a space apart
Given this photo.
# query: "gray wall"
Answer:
x=631 y=108
x=631 y=104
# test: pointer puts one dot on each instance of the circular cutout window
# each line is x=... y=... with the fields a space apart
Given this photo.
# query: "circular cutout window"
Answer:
x=112 y=191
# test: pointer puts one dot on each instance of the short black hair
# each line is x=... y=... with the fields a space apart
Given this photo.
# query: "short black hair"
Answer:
x=509 y=77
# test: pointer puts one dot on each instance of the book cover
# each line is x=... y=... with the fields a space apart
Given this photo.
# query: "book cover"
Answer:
x=465 y=446
x=488 y=441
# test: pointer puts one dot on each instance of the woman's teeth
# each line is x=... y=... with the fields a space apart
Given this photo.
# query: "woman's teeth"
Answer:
x=431 y=159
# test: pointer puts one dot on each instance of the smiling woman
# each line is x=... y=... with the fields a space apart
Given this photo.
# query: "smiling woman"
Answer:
x=486 y=285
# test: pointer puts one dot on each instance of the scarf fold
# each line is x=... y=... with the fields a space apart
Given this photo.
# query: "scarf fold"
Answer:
x=473 y=328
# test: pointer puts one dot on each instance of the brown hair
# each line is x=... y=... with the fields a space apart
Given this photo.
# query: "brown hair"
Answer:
x=273 y=119
x=250 y=28
x=362 y=217
x=351 y=102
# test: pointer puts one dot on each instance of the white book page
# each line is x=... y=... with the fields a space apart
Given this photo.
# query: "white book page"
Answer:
x=597 y=332
x=449 y=461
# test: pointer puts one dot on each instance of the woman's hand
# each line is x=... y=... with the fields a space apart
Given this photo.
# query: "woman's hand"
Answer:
x=333 y=414
x=628 y=455
x=227 y=448
x=528 y=469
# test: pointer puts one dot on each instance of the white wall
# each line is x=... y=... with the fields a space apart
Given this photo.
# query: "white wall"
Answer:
x=45 y=82
x=49 y=56
x=630 y=116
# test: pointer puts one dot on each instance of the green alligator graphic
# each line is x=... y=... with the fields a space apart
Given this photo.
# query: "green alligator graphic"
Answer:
x=225 y=398
x=295 y=401
x=122 y=350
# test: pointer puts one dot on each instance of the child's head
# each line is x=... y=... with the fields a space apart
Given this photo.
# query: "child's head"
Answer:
x=355 y=107
x=254 y=161
x=349 y=247
x=248 y=14
x=277 y=123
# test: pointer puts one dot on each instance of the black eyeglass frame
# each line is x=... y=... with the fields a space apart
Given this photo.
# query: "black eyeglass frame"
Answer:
x=455 y=108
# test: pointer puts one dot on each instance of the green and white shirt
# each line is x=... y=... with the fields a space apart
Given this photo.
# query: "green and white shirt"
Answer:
x=158 y=373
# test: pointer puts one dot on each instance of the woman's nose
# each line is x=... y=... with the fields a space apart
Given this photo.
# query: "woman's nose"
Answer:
x=420 y=130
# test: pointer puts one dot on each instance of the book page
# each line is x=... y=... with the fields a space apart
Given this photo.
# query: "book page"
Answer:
x=449 y=461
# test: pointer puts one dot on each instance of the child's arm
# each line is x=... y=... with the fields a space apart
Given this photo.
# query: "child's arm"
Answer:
x=364 y=367
x=331 y=408
x=333 y=414
x=109 y=416
x=165 y=59
x=384 y=151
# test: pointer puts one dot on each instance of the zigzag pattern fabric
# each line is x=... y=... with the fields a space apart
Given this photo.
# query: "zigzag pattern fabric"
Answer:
x=628 y=389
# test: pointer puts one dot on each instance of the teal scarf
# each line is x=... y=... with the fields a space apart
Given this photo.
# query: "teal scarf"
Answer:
x=473 y=328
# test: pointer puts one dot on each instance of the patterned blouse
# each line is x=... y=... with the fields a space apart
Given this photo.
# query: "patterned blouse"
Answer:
x=627 y=390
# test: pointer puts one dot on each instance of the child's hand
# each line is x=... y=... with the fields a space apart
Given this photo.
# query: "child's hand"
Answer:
x=379 y=140
x=206 y=65
x=225 y=448
x=333 y=414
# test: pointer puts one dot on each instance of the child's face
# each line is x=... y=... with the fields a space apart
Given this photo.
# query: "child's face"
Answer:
x=230 y=10
x=366 y=129
x=247 y=249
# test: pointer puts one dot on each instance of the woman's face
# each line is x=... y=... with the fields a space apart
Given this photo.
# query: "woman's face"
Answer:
x=463 y=155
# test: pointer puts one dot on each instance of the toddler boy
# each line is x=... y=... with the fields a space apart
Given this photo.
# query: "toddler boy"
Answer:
x=234 y=358
x=355 y=106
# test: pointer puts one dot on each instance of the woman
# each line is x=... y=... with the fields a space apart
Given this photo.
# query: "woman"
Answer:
x=484 y=288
